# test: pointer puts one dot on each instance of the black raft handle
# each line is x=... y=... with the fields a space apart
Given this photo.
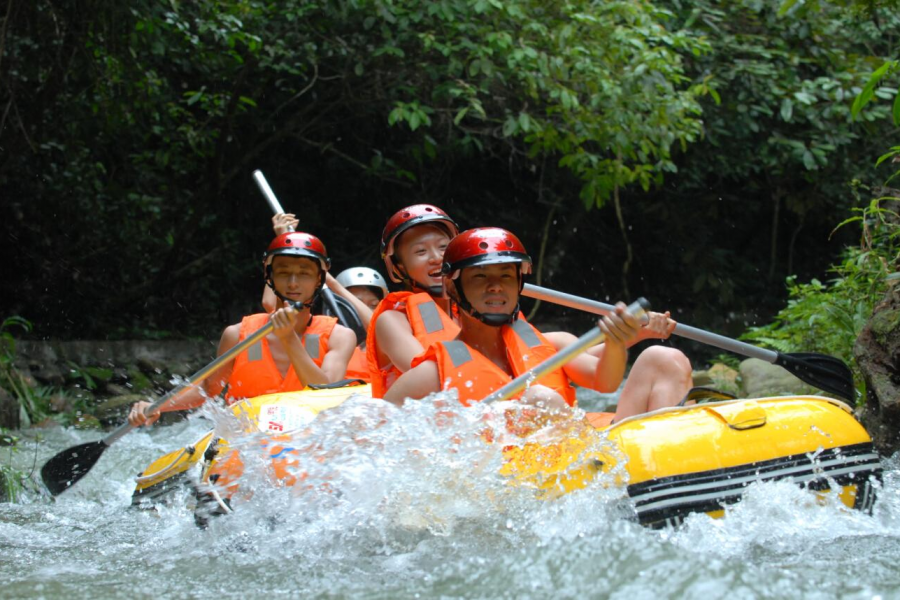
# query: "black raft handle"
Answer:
x=336 y=384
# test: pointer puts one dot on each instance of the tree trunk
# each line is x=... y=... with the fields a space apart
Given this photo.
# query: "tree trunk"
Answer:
x=626 y=267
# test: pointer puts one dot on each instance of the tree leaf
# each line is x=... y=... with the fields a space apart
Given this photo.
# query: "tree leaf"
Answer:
x=460 y=115
x=896 y=111
x=787 y=109
x=786 y=6
x=524 y=122
x=869 y=90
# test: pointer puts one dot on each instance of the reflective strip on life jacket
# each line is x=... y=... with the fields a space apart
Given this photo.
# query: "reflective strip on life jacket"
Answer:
x=429 y=325
x=255 y=373
x=474 y=376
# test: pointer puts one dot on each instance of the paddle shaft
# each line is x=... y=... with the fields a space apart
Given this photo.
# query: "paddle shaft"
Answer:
x=685 y=331
x=593 y=337
x=193 y=380
x=267 y=192
x=275 y=205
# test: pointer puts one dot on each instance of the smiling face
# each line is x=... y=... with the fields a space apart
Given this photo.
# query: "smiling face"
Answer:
x=420 y=251
x=295 y=278
x=491 y=289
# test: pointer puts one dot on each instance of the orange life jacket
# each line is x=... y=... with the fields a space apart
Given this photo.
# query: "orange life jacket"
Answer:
x=358 y=367
x=255 y=373
x=429 y=324
x=474 y=376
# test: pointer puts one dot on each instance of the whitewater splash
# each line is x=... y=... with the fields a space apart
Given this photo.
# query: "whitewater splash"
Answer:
x=405 y=502
x=425 y=467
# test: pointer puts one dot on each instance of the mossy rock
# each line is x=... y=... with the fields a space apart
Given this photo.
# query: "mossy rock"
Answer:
x=86 y=421
x=151 y=365
x=719 y=377
x=762 y=379
x=885 y=324
x=82 y=396
x=103 y=374
x=139 y=382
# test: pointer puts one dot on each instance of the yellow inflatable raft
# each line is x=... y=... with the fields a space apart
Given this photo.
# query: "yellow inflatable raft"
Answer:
x=673 y=461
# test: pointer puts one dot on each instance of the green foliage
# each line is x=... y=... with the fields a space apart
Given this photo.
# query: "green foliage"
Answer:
x=137 y=126
x=138 y=123
x=828 y=317
x=13 y=481
x=32 y=402
x=755 y=201
x=871 y=90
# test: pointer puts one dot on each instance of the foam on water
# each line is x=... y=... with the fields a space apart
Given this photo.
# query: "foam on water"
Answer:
x=399 y=502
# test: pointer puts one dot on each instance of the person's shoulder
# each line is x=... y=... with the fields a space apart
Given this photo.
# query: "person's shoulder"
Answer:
x=232 y=330
x=231 y=335
x=390 y=320
x=341 y=335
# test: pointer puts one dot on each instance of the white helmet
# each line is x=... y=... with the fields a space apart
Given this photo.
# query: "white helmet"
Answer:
x=362 y=276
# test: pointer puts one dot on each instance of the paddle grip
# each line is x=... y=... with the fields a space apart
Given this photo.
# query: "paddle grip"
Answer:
x=637 y=309
x=263 y=185
x=685 y=331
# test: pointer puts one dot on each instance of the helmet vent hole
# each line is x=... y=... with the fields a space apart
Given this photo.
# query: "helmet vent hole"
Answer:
x=508 y=244
x=308 y=244
x=483 y=245
x=406 y=215
x=428 y=209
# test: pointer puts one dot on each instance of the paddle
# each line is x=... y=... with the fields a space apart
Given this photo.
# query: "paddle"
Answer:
x=819 y=370
x=638 y=309
x=63 y=470
x=341 y=309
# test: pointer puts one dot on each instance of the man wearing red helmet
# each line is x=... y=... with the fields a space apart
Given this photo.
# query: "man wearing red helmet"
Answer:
x=302 y=349
x=483 y=273
x=407 y=322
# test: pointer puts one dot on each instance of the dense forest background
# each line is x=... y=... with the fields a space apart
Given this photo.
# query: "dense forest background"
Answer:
x=693 y=151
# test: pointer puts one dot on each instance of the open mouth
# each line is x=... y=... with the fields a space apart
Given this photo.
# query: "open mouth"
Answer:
x=435 y=274
x=495 y=304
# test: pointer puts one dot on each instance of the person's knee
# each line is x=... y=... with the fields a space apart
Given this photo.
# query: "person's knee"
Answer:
x=662 y=358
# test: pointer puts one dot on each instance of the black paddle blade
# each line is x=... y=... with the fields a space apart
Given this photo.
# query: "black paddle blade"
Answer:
x=822 y=371
x=67 y=467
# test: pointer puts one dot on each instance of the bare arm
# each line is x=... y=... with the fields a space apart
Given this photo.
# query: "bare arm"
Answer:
x=284 y=321
x=269 y=301
x=602 y=367
x=660 y=327
x=364 y=312
x=192 y=397
x=396 y=339
x=416 y=383
x=340 y=350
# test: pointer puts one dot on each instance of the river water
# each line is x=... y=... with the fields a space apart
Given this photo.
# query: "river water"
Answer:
x=407 y=503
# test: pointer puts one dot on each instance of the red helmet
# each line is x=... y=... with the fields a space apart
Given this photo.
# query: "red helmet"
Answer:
x=407 y=218
x=479 y=247
x=484 y=246
x=297 y=243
